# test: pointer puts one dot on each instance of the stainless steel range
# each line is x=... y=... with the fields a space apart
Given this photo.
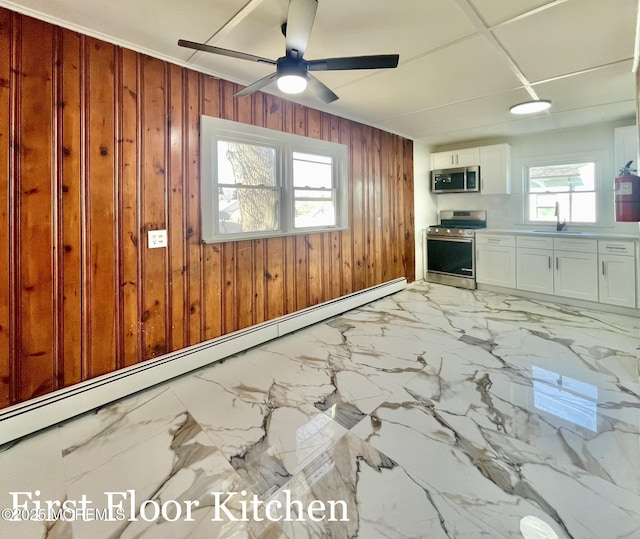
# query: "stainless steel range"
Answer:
x=450 y=247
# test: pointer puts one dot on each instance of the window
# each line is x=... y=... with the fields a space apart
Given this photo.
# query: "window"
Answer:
x=247 y=188
x=565 y=190
x=314 y=192
x=259 y=182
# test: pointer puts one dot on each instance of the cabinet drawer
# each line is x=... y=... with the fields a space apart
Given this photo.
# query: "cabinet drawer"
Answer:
x=575 y=244
x=612 y=247
x=496 y=239
x=534 y=242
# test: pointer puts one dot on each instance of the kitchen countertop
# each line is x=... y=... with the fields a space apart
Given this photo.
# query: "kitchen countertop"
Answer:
x=562 y=234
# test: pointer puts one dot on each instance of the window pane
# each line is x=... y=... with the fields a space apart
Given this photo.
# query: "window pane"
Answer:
x=312 y=170
x=309 y=193
x=247 y=210
x=314 y=213
x=583 y=207
x=587 y=179
x=248 y=164
x=542 y=207
x=555 y=178
x=572 y=186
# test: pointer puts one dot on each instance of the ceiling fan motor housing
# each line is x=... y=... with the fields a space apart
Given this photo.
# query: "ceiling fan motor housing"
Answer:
x=288 y=65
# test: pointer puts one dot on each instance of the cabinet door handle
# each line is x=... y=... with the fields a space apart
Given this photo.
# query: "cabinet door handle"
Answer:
x=603 y=269
x=557 y=263
x=549 y=257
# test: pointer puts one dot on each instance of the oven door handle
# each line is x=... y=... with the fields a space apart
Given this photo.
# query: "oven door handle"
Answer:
x=449 y=238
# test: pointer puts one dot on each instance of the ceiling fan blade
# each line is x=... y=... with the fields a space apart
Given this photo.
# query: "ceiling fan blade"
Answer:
x=300 y=19
x=224 y=52
x=320 y=89
x=258 y=85
x=376 y=61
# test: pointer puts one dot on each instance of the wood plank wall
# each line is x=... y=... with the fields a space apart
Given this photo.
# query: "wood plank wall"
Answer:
x=99 y=145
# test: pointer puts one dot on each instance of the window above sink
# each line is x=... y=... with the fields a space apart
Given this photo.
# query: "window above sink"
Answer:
x=572 y=186
x=575 y=188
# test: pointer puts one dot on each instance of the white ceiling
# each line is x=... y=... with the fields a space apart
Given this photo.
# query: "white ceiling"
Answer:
x=462 y=62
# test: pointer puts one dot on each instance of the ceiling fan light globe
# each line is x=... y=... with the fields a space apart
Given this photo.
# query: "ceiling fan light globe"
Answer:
x=292 y=84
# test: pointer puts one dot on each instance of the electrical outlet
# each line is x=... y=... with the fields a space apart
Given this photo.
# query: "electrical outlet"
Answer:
x=157 y=238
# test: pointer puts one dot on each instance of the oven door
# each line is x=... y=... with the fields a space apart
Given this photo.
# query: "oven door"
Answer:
x=450 y=256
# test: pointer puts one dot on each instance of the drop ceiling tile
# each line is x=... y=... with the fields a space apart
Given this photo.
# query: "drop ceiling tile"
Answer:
x=451 y=123
x=260 y=32
x=408 y=28
x=611 y=84
x=148 y=24
x=465 y=70
x=496 y=11
x=570 y=37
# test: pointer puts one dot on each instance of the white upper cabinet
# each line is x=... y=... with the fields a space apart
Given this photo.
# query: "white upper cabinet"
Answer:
x=467 y=157
x=494 y=162
x=495 y=169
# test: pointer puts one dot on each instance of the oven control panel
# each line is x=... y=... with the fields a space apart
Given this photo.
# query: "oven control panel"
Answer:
x=441 y=231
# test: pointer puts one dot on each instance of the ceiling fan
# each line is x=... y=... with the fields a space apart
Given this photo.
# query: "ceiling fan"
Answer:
x=292 y=70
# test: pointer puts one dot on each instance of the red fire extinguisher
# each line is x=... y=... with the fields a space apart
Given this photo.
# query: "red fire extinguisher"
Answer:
x=628 y=195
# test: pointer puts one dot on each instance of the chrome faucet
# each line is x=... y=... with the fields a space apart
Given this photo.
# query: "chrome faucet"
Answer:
x=559 y=225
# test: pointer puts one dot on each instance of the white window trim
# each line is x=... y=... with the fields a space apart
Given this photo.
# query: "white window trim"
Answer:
x=603 y=190
x=214 y=129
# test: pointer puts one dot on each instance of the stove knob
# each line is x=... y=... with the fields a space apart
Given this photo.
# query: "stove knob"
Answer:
x=461 y=231
x=448 y=231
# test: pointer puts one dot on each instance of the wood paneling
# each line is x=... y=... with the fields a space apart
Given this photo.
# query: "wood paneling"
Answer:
x=36 y=210
x=100 y=145
x=7 y=276
x=101 y=217
x=71 y=207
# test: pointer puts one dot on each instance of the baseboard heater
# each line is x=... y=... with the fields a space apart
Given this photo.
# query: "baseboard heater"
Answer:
x=25 y=418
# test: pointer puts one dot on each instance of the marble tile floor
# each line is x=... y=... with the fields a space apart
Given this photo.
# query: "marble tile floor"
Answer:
x=435 y=412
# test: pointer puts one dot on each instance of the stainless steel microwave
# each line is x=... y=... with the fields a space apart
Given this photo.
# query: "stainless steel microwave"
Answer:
x=456 y=180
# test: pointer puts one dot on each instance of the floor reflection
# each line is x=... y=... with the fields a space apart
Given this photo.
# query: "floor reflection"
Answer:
x=565 y=397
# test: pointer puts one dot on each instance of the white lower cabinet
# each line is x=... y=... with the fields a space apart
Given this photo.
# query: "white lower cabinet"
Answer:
x=534 y=270
x=496 y=260
x=617 y=273
x=534 y=264
x=604 y=271
x=576 y=275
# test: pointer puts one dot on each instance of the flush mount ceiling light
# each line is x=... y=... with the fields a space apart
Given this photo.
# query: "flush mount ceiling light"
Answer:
x=531 y=107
